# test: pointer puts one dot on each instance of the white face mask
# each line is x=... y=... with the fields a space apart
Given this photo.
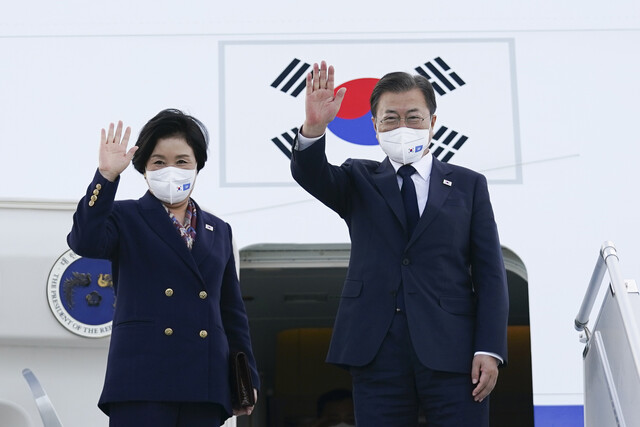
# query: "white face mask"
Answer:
x=171 y=184
x=343 y=424
x=404 y=145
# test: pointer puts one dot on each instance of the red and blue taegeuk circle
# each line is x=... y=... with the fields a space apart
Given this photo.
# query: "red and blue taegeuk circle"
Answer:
x=353 y=121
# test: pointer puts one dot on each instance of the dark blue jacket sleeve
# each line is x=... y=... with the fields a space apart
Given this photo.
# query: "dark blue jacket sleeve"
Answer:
x=328 y=183
x=94 y=233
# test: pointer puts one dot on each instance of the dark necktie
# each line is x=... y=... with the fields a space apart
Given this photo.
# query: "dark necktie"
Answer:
x=409 y=197
x=410 y=201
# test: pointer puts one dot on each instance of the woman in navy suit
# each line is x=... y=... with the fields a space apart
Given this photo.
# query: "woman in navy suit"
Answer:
x=179 y=312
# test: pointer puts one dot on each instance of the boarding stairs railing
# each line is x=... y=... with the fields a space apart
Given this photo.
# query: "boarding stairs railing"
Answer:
x=45 y=407
x=611 y=356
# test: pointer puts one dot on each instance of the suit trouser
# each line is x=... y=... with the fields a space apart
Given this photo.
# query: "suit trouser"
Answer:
x=164 y=414
x=390 y=391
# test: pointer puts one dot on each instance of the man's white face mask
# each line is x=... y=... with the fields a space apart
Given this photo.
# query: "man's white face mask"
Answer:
x=171 y=184
x=404 y=145
x=342 y=424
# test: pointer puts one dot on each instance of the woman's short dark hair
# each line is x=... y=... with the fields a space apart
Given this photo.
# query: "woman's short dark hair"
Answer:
x=168 y=123
x=402 y=82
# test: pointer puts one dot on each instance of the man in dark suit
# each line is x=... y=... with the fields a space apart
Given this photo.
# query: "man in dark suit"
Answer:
x=422 y=321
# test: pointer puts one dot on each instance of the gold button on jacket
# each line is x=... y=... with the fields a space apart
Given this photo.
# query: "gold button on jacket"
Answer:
x=203 y=334
x=202 y=294
x=168 y=331
x=168 y=292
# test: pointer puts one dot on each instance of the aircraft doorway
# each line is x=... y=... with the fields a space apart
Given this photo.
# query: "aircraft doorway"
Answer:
x=291 y=294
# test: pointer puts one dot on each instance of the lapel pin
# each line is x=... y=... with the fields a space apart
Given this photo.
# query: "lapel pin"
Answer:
x=447 y=182
x=208 y=227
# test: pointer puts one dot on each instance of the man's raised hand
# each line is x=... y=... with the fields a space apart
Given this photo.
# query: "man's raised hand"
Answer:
x=321 y=105
x=114 y=157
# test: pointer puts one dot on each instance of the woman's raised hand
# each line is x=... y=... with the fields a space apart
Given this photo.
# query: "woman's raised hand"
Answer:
x=114 y=157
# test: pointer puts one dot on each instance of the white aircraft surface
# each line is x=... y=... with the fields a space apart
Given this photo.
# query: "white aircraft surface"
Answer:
x=541 y=97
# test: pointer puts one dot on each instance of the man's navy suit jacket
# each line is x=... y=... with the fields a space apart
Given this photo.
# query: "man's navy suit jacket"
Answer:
x=160 y=284
x=451 y=268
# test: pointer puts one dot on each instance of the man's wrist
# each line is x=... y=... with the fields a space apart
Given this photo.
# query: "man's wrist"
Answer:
x=494 y=355
x=312 y=131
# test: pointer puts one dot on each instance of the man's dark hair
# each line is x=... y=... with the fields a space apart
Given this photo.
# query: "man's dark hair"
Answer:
x=168 y=123
x=402 y=82
x=336 y=395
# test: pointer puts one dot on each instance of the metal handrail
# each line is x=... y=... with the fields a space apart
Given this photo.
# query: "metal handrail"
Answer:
x=582 y=319
x=608 y=260
x=45 y=407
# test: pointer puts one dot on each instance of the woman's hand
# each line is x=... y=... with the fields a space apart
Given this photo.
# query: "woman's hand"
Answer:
x=114 y=157
x=247 y=410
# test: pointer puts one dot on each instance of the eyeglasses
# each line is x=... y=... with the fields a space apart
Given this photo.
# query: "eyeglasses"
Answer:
x=390 y=123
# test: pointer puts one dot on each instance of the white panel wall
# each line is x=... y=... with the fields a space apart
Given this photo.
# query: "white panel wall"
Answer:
x=67 y=69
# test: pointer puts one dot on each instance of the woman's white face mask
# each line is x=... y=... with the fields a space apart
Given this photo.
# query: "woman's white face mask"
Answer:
x=404 y=145
x=170 y=184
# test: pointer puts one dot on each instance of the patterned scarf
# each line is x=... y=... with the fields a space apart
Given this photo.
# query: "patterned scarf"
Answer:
x=188 y=229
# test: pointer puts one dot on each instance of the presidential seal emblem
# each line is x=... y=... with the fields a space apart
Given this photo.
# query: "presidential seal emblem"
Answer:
x=81 y=296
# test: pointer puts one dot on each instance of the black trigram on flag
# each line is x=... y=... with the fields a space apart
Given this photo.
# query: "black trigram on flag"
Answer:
x=293 y=76
x=285 y=141
x=445 y=143
x=440 y=75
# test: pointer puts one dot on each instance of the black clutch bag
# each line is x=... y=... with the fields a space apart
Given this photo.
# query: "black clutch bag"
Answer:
x=241 y=385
